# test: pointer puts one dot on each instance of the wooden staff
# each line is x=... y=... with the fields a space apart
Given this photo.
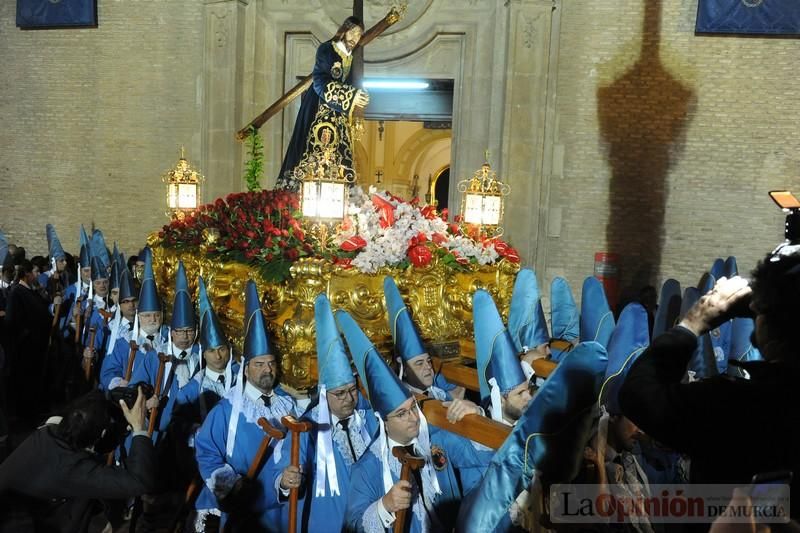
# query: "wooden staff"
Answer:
x=270 y=433
x=106 y=315
x=295 y=427
x=131 y=356
x=162 y=362
x=77 y=324
x=54 y=324
x=391 y=18
x=255 y=466
x=87 y=361
x=87 y=315
x=409 y=462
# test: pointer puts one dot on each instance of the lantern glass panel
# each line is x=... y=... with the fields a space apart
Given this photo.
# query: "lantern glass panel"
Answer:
x=310 y=198
x=187 y=196
x=331 y=202
x=491 y=210
x=473 y=208
x=172 y=195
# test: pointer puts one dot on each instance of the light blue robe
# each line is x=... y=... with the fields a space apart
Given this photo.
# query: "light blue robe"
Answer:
x=220 y=472
x=205 y=393
x=323 y=513
x=472 y=457
x=148 y=372
x=116 y=362
x=366 y=488
x=69 y=302
x=102 y=332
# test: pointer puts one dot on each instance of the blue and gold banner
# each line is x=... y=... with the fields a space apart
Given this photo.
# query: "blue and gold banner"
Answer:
x=763 y=17
x=56 y=13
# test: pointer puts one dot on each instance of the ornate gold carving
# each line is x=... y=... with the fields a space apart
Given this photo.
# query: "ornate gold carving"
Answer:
x=397 y=13
x=440 y=300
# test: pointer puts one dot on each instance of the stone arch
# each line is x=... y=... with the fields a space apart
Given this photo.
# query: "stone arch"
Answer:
x=416 y=145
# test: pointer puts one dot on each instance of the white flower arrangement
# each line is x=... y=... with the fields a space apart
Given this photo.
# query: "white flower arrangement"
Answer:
x=385 y=228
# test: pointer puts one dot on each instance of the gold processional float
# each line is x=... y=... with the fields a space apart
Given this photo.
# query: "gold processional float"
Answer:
x=335 y=238
x=332 y=237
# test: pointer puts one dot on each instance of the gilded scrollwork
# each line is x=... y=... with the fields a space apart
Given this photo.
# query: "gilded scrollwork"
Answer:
x=440 y=300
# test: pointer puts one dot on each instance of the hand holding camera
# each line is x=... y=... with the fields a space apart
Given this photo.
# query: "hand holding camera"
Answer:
x=134 y=415
x=729 y=298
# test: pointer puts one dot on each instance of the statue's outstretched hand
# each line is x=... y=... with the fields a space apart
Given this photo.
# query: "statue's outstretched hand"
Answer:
x=361 y=99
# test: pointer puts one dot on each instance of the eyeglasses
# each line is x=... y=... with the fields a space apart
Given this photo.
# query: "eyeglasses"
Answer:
x=341 y=395
x=403 y=414
x=184 y=332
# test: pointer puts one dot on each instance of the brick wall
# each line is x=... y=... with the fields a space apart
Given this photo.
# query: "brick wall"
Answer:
x=91 y=118
x=685 y=138
x=669 y=150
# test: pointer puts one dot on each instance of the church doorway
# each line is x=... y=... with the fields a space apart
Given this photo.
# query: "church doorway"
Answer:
x=407 y=138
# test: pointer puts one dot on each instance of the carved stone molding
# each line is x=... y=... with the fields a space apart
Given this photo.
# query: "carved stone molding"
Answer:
x=375 y=10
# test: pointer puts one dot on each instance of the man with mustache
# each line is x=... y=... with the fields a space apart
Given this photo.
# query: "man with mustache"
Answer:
x=343 y=426
x=229 y=438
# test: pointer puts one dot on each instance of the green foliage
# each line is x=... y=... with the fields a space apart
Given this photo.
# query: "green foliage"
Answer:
x=254 y=166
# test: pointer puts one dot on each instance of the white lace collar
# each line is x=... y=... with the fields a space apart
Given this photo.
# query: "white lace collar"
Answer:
x=340 y=46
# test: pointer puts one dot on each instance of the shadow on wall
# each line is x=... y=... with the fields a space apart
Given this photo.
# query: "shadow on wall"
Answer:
x=643 y=117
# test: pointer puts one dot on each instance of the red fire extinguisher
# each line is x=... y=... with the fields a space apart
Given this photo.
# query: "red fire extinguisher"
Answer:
x=606 y=269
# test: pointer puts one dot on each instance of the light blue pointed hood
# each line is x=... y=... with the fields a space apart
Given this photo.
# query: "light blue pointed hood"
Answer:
x=564 y=317
x=99 y=269
x=333 y=362
x=85 y=255
x=98 y=247
x=669 y=307
x=497 y=358
x=731 y=269
x=597 y=320
x=548 y=440
x=182 y=306
x=3 y=248
x=526 y=322
x=256 y=336
x=386 y=392
x=407 y=341
x=630 y=338
x=149 y=300
x=54 y=248
x=211 y=332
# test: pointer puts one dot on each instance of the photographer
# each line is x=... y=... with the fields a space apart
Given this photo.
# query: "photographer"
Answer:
x=731 y=428
x=58 y=476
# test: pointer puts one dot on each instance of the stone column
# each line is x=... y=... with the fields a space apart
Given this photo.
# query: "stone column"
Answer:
x=528 y=124
x=223 y=86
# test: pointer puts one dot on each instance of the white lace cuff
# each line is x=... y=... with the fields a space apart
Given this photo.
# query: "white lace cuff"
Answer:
x=385 y=516
x=222 y=481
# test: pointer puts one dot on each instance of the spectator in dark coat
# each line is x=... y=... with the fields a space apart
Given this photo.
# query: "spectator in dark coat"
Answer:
x=27 y=326
x=731 y=428
x=56 y=477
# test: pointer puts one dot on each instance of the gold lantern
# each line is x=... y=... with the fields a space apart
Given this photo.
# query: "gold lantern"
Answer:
x=325 y=188
x=183 y=188
x=483 y=200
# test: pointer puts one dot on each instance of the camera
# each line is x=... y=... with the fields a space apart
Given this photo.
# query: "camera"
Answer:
x=791 y=230
x=129 y=393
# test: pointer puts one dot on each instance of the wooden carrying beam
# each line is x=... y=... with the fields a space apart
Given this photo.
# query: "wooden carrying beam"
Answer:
x=391 y=18
x=459 y=373
x=474 y=427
